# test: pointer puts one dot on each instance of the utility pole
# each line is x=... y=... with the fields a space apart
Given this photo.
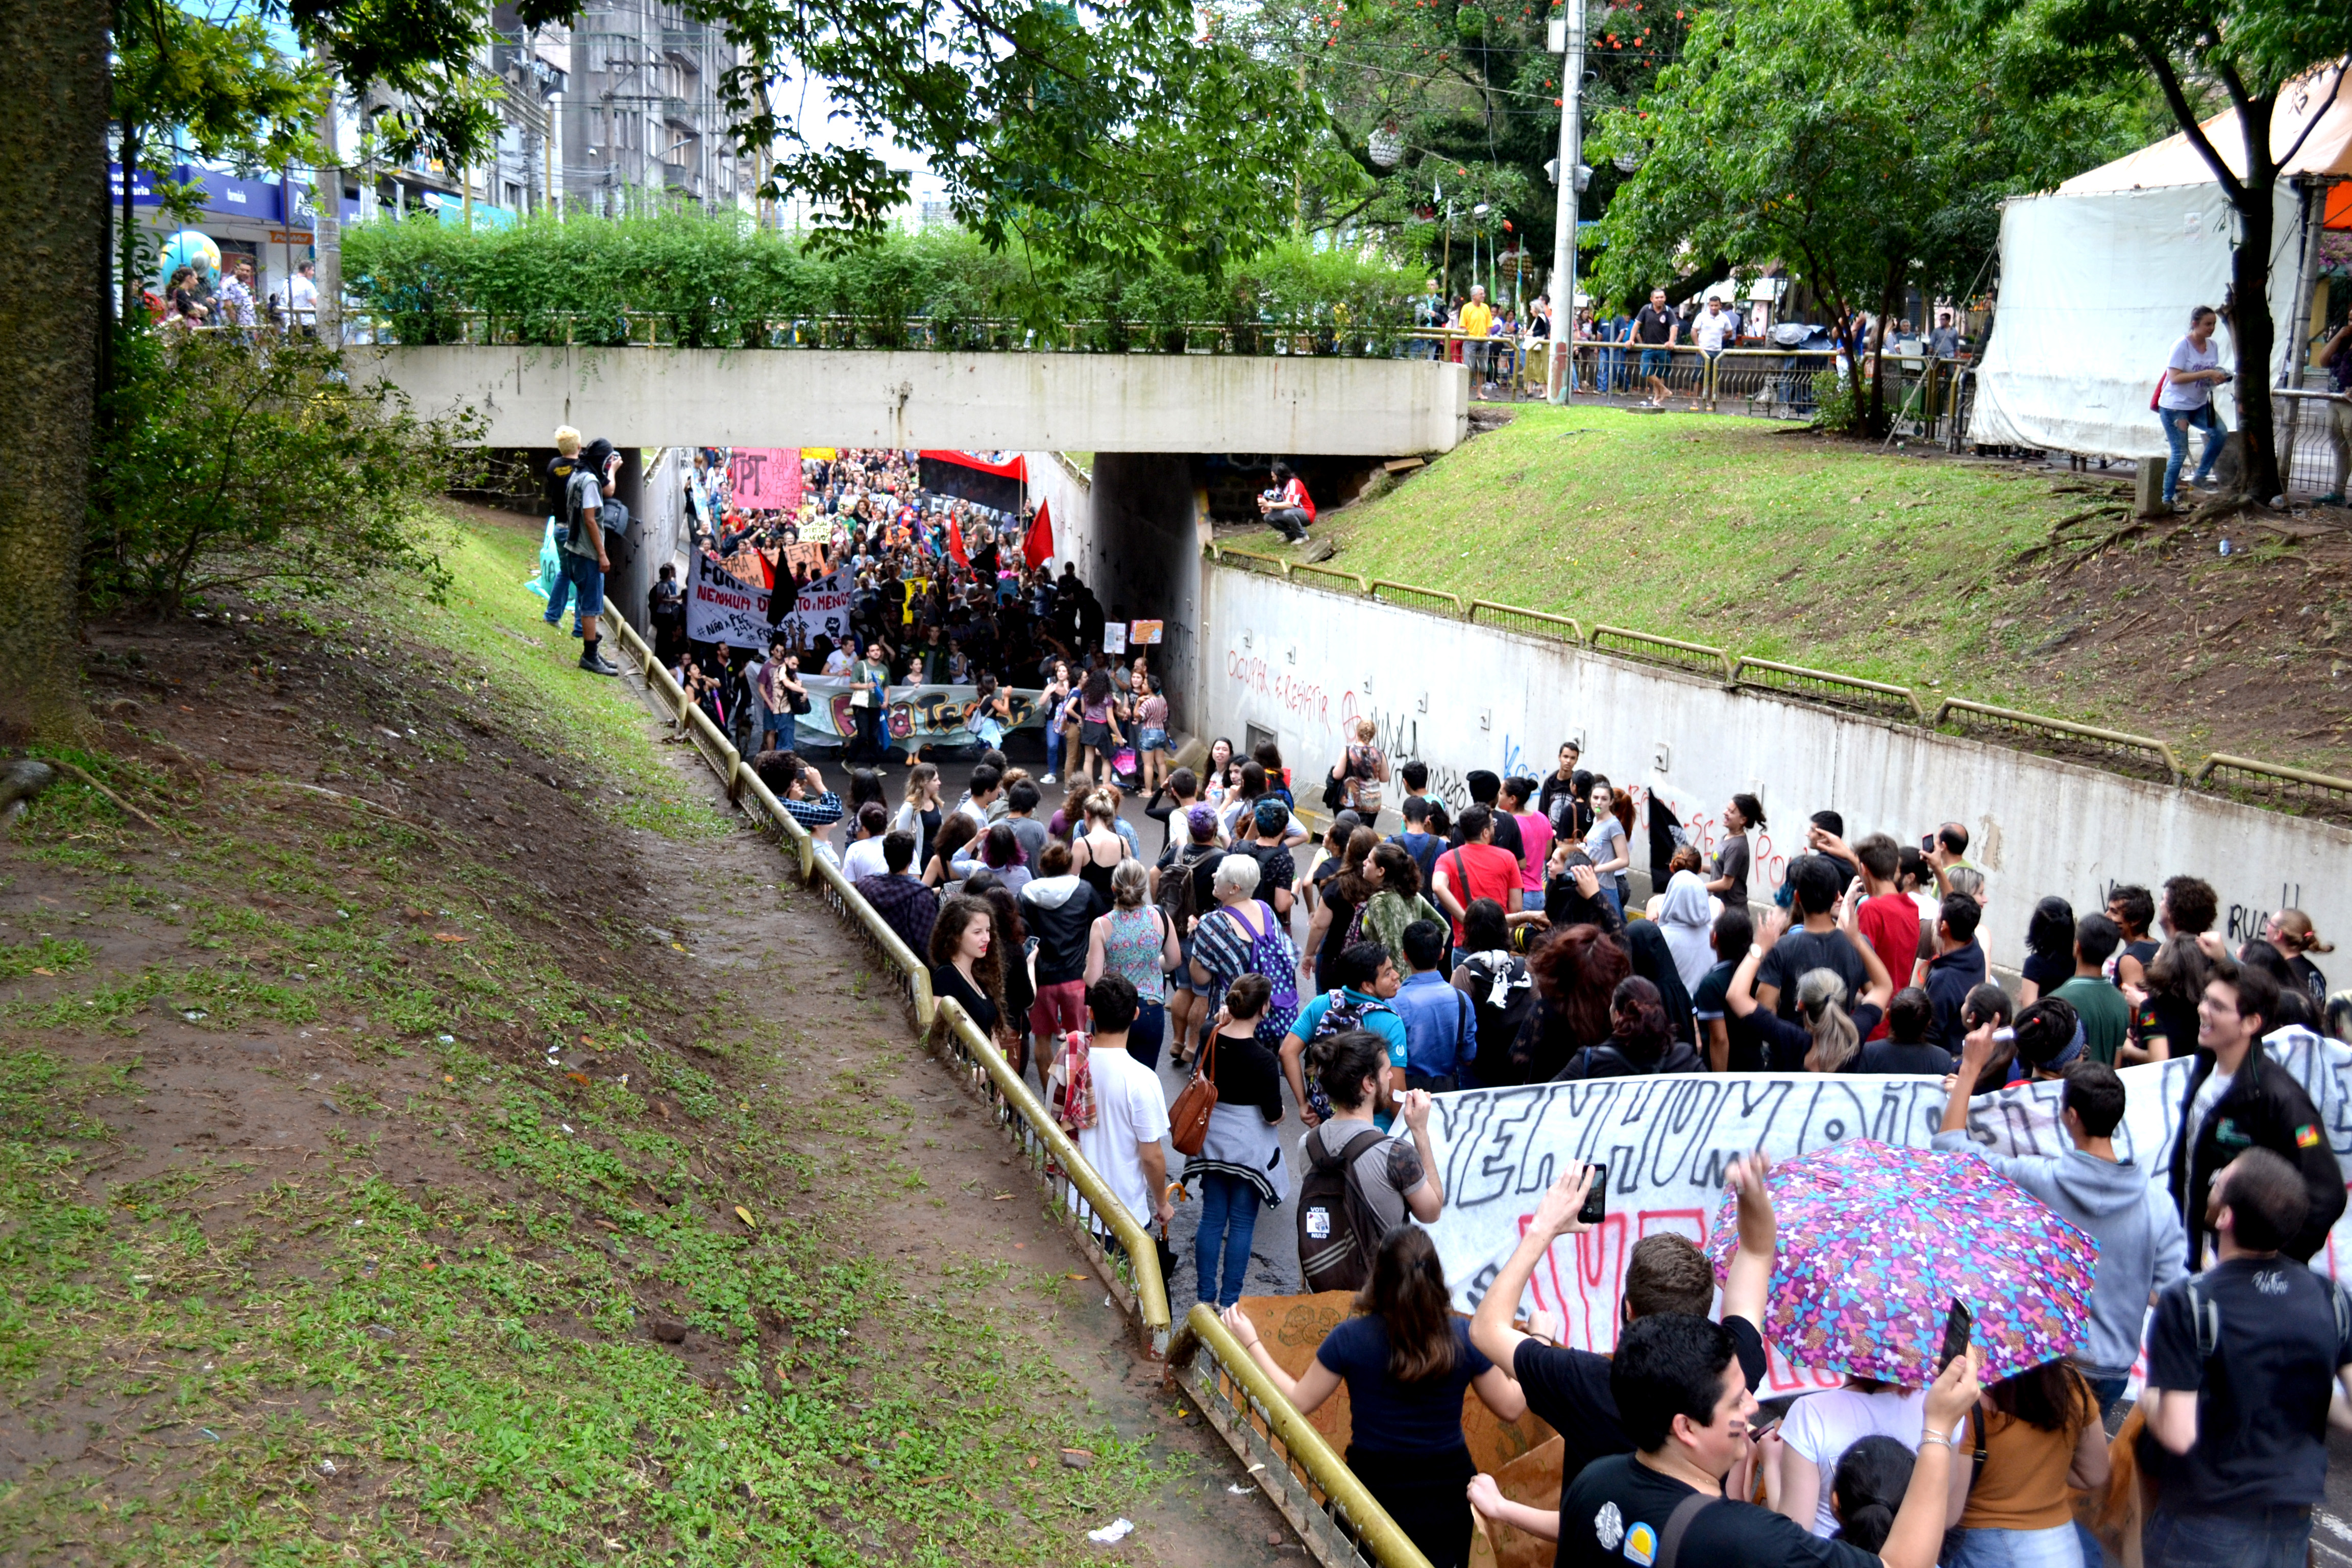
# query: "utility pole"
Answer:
x=1567 y=40
x=327 y=222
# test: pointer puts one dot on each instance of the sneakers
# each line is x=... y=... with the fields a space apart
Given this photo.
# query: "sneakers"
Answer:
x=595 y=663
x=1047 y=779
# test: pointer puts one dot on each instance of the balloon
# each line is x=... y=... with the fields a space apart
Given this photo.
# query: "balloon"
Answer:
x=191 y=249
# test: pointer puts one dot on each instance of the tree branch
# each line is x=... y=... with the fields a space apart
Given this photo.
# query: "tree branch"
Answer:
x=2160 y=66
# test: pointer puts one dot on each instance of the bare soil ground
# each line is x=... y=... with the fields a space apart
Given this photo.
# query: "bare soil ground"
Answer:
x=447 y=1138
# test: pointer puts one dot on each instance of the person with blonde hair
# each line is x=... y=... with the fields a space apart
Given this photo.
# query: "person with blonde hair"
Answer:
x=2290 y=931
x=1138 y=942
x=1361 y=770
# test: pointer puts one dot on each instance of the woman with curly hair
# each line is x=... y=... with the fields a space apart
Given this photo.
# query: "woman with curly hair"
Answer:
x=1577 y=970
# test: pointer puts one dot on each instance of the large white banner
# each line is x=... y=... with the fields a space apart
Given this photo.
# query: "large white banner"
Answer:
x=1667 y=1142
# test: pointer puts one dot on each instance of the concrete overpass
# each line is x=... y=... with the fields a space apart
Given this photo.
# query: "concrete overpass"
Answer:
x=819 y=397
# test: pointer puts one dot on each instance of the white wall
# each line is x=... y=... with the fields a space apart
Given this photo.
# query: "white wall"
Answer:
x=1301 y=662
x=1067 y=493
x=985 y=401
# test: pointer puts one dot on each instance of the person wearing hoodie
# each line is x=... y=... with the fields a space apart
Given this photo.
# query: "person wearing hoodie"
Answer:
x=2142 y=1247
x=1058 y=908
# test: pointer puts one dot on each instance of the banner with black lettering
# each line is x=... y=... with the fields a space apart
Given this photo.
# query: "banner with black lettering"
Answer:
x=722 y=607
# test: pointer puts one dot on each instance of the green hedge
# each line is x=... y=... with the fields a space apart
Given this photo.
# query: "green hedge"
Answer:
x=720 y=283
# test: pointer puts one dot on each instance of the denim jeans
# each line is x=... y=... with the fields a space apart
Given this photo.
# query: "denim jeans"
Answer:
x=1228 y=1219
x=1147 y=1033
x=557 y=600
x=1053 y=749
x=786 y=727
x=2056 y=1547
x=2242 y=1538
x=2177 y=422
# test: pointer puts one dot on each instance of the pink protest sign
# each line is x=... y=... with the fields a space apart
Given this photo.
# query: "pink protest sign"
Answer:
x=764 y=479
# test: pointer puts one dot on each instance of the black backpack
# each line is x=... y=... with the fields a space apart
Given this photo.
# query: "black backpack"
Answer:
x=1337 y=1231
x=1179 y=899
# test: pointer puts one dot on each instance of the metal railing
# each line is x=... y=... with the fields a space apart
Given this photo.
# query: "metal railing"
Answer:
x=2246 y=779
x=1691 y=655
x=2295 y=789
x=2063 y=736
x=1330 y=1509
x=1349 y=581
x=1133 y=1274
x=1127 y=1258
x=1250 y=560
x=1828 y=686
x=1414 y=597
x=1533 y=623
x=2306 y=435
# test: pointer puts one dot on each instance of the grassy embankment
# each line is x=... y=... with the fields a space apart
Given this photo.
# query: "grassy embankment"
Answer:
x=380 y=1185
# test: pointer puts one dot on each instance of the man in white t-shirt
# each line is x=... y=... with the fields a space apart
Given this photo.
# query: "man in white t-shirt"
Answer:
x=1131 y=1110
x=2185 y=400
x=1711 y=331
x=304 y=295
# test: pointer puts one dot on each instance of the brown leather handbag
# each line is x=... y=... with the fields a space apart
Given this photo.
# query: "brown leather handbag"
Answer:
x=1188 y=1118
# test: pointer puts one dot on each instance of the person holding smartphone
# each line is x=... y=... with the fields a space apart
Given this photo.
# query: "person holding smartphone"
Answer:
x=2185 y=401
x=1666 y=1275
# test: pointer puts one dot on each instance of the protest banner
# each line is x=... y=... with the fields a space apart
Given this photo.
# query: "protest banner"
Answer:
x=1143 y=634
x=764 y=478
x=919 y=715
x=721 y=607
x=1667 y=1140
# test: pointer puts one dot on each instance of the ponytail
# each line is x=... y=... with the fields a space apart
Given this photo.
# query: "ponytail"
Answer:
x=1867 y=1489
x=1821 y=997
x=1341 y=1063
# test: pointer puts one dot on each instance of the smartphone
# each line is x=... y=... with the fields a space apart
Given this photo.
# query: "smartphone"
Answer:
x=1596 y=1198
x=1957 y=1324
x=1928 y=844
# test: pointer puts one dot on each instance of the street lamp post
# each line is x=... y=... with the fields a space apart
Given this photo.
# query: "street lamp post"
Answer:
x=1568 y=41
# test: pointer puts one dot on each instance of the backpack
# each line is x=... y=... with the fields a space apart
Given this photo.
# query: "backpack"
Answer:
x=1272 y=955
x=1337 y=1231
x=1178 y=897
x=1510 y=998
x=1343 y=1014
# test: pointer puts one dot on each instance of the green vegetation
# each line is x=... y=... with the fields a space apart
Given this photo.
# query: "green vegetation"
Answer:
x=1732 y=532
x=440 y=1338
x=716 y=281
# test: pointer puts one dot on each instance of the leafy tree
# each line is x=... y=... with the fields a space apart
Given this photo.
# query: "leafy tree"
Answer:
x=237 y=470
x=2261 y=57
x=1870 y=164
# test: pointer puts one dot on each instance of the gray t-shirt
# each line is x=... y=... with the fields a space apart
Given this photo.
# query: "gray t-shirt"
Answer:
x=584 y=493
x=1731 y=860
x=1384 y=1172
x=1031 y=833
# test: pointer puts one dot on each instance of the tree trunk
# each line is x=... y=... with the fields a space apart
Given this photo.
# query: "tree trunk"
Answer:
x=1889 y=291
x=2254 y=333
x=54 y=107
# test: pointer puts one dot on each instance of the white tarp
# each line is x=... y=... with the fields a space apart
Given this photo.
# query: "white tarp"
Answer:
x=1666 y=1140
x=2095 y=291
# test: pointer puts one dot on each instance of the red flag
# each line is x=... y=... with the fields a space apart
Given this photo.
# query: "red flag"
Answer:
x=955 y=541
x=1038 y=548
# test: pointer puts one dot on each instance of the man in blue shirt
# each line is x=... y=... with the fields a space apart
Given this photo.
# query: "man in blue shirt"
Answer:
x=1416 y=840
x=1440 y=1026
x=1367 y=982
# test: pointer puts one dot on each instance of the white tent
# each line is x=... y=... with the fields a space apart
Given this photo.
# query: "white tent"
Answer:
x=2097 y=279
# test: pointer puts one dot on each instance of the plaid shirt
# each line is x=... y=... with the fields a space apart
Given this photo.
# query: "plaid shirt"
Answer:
x=822 y=812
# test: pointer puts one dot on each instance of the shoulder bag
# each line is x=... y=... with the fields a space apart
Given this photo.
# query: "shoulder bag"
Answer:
x=1188 y=1118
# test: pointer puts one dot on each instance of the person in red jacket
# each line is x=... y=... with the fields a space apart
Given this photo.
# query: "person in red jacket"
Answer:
x=1288 y=507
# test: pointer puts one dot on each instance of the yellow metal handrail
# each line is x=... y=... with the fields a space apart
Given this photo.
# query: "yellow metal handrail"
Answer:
x=1413 y=588
x=1354 y=580
x=2206 y=769
x=1951 y=705
x=1034 y=1129
x=1264 y=1424
x=1274 y=565
x=1714 y=656
x=1573 y=627
x=1148 y=1294
x=1903 y=694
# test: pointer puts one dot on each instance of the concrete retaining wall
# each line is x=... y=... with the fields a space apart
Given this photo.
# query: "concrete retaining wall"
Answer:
x=784 y=397
x=1301 y=662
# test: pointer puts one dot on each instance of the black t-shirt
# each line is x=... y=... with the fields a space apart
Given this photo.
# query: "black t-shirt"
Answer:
x=1616 y=1511
x=1653 y=325
x=1275 y=868
x=1885 y=1056
x=1205 y=872
x=1507 y=835
x=1711 y=1001
x=947 y=980
x=1799 y=953
x=559 y=472
x=1570 y=1389
x=2262 y=1417
x=2048 y=974
x=1393 y=1417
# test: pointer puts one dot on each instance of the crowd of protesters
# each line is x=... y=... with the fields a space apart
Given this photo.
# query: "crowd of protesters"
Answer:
x=1326 y=986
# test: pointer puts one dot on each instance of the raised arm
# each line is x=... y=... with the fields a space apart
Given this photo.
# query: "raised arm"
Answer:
x=1747 y=1282
x=1919 y=1534
x=1555 y=1216
x=1975 y=1051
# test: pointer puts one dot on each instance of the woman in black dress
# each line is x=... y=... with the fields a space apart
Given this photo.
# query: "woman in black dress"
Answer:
x=964 y=961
